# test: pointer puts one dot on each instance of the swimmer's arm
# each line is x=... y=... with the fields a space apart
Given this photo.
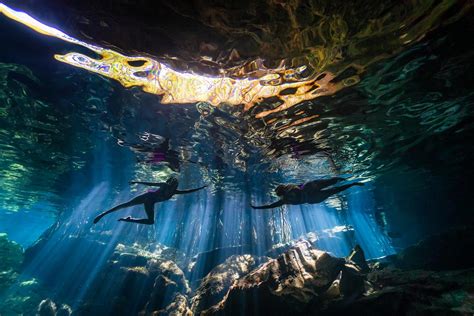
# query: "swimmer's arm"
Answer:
x=151 y=184
x=273 y=205
x=189 y=191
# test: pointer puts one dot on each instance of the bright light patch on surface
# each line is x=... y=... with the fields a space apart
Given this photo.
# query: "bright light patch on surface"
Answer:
x=177 y=87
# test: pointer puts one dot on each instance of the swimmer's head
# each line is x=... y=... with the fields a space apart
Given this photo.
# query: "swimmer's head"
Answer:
x=172 y=182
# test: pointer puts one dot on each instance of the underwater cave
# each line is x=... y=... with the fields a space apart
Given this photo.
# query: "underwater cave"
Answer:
x=266 y=157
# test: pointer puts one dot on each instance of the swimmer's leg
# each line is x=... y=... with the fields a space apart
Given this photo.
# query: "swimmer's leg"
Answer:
x=328 y=182
x=150 y=213
x=135 y=201
x=322 y=183
x=332 y=191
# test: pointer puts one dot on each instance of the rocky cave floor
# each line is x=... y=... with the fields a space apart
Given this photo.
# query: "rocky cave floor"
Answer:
x=433 y=277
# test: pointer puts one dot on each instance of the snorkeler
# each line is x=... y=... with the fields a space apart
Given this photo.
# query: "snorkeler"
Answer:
x=163 y=154
x=310 y=192
x=165 y=191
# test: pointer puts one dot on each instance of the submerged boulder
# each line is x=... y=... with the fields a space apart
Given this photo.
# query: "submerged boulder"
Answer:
x=440 y=252
x=22 y=298
x=357 y=256
x=413 y=292
x=138 y=282
x=179 y=306
x=11 y=257
x=215 y=285
x=445 y=251
x=293 y=282
x=302 y=280
x=64 y=310
x=169 y=289
x=11 y=254
x=48 y=308
x=352 y=281
x=433 y=277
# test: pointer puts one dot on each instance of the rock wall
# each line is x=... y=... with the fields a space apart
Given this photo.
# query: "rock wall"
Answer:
x=11 y=256
x=301 y=280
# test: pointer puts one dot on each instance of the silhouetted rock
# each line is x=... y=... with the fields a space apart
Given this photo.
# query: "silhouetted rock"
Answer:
x=32 y=251
x=414 y=292
x=357 y=256
x=445 y=251
x=433 y=277
x=352 y=282
x=440 y=252
x=215 y=285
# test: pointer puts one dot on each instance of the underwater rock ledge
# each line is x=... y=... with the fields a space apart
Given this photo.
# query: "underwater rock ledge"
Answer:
x=435 y=276
x=429 y=278
x=11 y=256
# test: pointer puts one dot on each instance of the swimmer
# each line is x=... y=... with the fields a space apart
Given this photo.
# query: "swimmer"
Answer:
x=310 y=193
x=164 y=192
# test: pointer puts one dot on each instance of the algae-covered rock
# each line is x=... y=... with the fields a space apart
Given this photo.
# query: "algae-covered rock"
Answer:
x=22 y=298
x=11 y=254
x=11 y=257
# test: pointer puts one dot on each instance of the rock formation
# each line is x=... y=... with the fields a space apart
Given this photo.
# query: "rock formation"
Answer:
x=439 y=252
x=139 y=283
x=290 y=283
x=48 y=308
x=215 y=285
x=304 y=280
x=11 y=256
x=301 y=280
